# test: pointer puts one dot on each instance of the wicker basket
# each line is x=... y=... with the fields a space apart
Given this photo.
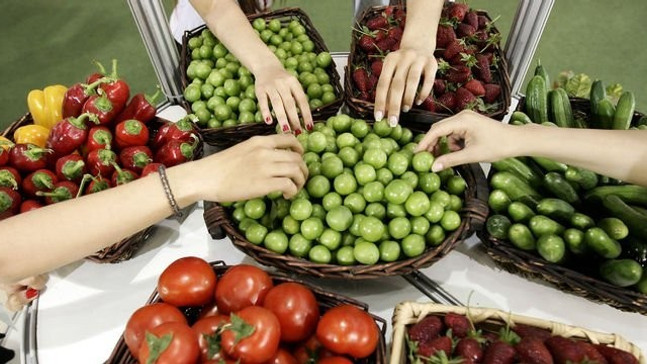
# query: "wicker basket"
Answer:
x=326 y=300
x=124 y=249
x=407 y=313
x=364 y=109
x=566 y=279
x=224 y=137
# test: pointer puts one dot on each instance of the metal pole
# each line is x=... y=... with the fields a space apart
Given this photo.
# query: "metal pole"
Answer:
x=153 y=26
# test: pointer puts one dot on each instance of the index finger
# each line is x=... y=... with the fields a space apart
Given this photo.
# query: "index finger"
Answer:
x=437 y=131
x=285 y=141
x=382 y=90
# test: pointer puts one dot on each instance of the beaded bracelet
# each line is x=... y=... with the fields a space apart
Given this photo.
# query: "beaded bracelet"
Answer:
x=169 y=193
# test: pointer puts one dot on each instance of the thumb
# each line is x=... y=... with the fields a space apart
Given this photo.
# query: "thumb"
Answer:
x=450 y=160
x=18 y=299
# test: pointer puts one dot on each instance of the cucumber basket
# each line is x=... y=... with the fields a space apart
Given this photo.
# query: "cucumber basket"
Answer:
x=585 y=233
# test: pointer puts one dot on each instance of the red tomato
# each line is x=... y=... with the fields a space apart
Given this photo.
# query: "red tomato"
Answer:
x=242 y=286
x=335 y=360
x=296 y=308
x=182 y=348
x=282 y=356
x=209 y=310
x=310 y=351
x=188 y=281
x=146 y=318
x=262 y=344
x=205 y=330
x=348 y=330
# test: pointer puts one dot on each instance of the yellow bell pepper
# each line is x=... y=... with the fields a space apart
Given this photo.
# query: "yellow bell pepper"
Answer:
x=5 y=143
x=46 y=106
x=33 y=134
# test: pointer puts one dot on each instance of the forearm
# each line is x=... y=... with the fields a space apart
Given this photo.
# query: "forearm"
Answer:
x=423 y=17
x=227 y=21
x=615 y=153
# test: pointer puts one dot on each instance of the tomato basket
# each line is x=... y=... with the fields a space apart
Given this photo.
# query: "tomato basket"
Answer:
x=224 y=137
x=124 y=249
x=365 y=109
x=490 y=319
x=576 y=278
x=326 y=300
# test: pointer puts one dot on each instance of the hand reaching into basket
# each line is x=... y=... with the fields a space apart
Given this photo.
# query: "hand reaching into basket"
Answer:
x=15 y=296
x=476 y=138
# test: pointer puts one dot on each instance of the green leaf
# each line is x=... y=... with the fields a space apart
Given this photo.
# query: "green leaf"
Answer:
x=213 y=344
x=240 y=328
x=563 y=78
x=157 y=345
x=614 y=92
x=579 y=86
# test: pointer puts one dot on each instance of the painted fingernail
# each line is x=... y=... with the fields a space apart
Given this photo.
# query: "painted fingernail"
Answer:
x=31 y=293
x=297 y=132
x=437 y=167
x=406 y=109
x=309 y=127
x=286 y=128
x=268 y=120
x=379 y=115
x=393 y=121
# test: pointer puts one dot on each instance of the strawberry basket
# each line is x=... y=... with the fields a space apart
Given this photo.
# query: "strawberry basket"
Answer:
x=325 y=299
x=226 y=136
x=452 y=75
x=125 y=248
x=490 y=321
x=580 y=275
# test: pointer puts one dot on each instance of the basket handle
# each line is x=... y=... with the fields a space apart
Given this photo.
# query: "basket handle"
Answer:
x=214 y=218
x=477 y=208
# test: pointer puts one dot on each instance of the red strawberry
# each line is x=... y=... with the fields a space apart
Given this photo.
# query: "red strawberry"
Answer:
x=447 y=101
x=376 y=67
x=483 y=68
x=464 y=99
x=360 y=77
x=429 y=104
x=591 y=353
x=470 y=350
x=475 y=87
x=472 y=19
x=483 y=21
x=379 y=35
x=531 y=331
x=499 y=353
x=465 y=30
x=429 y=348
x=372 y=82
x=439 y=86
x=533 y=351
x=366 y=43
x=616 y=356
x=459 y=324
x=386 y=45
x=371 y=95
x=377 y=23
x=454 y=48
x=480 y=38
x=389 y=10
x=427 y=329
x=395 y=33
x=457 y=11
x=364 y=96
x=492 y=92
x=459 y=74
x=400 y=16
x=489 y=56
x=564 y=350
x=445 y=36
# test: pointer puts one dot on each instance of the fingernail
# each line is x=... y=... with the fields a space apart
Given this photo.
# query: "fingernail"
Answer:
x=393 y=121
x=436 y=167
x=406 y=109
x=268 y=120
x=31 y=293
x=379 y=115
x=297 y=132
x=418 y=102
x=309 y=127
x=286 y=128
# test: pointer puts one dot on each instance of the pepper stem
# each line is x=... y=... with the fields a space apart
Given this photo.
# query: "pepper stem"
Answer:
x=114 y=69
x=102 y=69
x=151 y=99
x=84 y=181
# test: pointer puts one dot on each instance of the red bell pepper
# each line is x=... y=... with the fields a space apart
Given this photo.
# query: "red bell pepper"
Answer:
x=41 y=180
x=181 y=130
x=117 y=90
x=29 y=205
x=96 y=184
x=28 y=157
x=62 y=191
x=102 y=107
x=99 y=137
x=141 y=107
x=150 y=168
x=96 y=75
x=122 y=176
x=9 y=202
x=136 y=158
x=77 y=95
x=70 y=168
x=5 y=147
x=69 y=134
x=176 y=152
x=100 y=162
x=130 y=133
x=10 y=177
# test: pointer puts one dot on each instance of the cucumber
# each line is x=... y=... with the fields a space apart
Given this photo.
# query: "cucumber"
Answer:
x=520 y=118
x=581 y=221
x=519 y=168
x=519 y=212
x=541 y=225
x=574 y=240
x=550 y=165
x=635 y=249
x=497 y=226
x=521 y=237
x=515 y=188
x=598 y=241
x=624 y=111
x=537 y=100
x=555 y=209
x=541 y=72
x=614 y=227
x=631 y=194
x=642 y=121
x=560 y=109
x=598 y=93
x=559 y=187
x=498 y=201
x=621 y=272
x=603 y=118
x=641 y=286
x=583 y=177
x=552 y=248
x=635 y=221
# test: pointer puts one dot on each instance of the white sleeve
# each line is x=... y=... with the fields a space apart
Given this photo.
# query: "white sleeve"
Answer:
x=183 y=18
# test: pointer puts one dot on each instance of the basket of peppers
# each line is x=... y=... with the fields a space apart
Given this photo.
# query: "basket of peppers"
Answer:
x=85 y=139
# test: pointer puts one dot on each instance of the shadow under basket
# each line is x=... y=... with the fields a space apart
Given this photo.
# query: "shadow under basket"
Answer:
x=325 y=299
x=219 y=223
x=126 y=248
x=224 y=137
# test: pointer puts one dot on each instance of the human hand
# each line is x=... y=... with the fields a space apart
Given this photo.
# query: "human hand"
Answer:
x=399 y=81
x=251 y=169
x=472 y=137
x=19 y=294
x=285 y=93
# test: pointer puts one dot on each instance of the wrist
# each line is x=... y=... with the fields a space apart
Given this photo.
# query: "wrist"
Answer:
x=183 y=184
